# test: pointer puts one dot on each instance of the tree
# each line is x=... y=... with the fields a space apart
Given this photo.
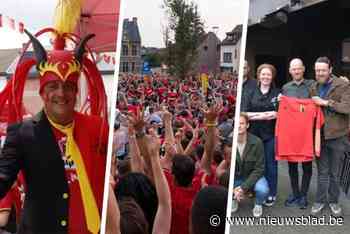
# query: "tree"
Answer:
x=154 y=59
x=183 y=36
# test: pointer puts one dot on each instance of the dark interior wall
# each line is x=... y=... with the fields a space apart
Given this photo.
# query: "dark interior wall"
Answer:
x=309 y=33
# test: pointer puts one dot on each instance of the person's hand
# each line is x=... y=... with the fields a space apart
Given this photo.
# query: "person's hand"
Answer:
x=238 y=194
x=131 y=130
x=137 y=119
x=212 y=113
x=179 y=135
x=204 y=180
x=270 y=115
x=153 y=144
x=166 y=115
x=279 y=97
x=319 y=101
x=195 y=132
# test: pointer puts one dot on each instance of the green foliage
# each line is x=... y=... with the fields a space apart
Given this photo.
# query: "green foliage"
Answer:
x=186 y=27
x=154 y=59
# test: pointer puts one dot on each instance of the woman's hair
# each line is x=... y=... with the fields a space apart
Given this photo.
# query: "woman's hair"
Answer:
x=268 y=66
x=208 y=201
x=141 y=189
x=132 y=218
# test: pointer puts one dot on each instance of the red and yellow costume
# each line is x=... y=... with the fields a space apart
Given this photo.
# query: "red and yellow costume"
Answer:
x=63 y=166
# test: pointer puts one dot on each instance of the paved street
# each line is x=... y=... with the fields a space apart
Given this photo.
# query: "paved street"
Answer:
x=279 y=210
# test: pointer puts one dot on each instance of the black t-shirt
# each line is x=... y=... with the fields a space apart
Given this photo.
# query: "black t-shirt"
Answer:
x=249 y=86
x=259 y=102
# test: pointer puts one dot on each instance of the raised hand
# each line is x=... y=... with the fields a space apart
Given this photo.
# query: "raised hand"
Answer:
x=137 y=119
x=166 y=115
x=153 y=143
x=238 y=194
x=212 y=113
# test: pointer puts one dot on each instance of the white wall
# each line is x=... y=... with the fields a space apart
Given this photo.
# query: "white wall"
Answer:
x=230 y=49
x=226 y=49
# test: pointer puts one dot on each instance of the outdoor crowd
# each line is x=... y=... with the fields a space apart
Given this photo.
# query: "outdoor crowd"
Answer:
x=172 y=151
x=305 y=121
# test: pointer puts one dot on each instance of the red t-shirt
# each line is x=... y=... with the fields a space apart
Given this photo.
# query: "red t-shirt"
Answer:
x=161 y=92
x=148 y=91
x=76 y=217
x=172 y=97
x=295 y=129
x=231 y=99
x=181 y=200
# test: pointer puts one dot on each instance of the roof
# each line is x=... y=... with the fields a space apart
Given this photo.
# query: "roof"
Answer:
x=286 y=7
x=12 y=66
x=6 y=58
x=233 y=36
x=210 y=36
x=131 y=30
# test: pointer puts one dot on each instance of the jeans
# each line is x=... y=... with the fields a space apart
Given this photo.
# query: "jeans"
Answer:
x=270 y=166
x=261 y=189
x=328 y=169
x=294 y=178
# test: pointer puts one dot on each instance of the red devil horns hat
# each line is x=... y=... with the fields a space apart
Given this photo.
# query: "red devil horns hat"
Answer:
x=57 y=64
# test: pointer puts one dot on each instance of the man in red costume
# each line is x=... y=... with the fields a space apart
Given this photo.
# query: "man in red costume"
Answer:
x=61 y=152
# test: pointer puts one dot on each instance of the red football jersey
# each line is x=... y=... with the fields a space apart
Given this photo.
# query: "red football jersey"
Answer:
x=297 y=120
x=182 y=198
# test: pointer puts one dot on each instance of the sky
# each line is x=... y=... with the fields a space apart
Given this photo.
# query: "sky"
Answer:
x=35 y=14
x=225 y=14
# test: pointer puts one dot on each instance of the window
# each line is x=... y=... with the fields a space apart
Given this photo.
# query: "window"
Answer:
x=346 y=51
x=205 y=48
x=227 y=57
x=236 y=54
x=133 y=68
x=134 y=50
x=125 y=50
x=125 y=67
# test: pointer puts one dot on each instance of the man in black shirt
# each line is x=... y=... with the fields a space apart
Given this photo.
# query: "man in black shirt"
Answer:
x=298 y=88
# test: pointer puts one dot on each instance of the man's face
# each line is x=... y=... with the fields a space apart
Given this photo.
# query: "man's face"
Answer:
x=59 y=100
x=296 y=70
x=245 y=70
x=322 y=72
x=243 y=125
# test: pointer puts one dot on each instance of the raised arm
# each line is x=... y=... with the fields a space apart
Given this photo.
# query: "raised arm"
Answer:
x=178 y=137
x=190 y=148
x=223 y=166
x=162 y=221
x=138 y=123
x=135 y=155
x=113 y=214
x=167 y=121
x=211 y=116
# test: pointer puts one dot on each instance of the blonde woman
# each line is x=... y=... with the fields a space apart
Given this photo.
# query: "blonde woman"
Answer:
x=262 y=111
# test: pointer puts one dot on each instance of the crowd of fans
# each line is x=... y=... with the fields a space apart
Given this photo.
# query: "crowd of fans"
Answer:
x=172 y=151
